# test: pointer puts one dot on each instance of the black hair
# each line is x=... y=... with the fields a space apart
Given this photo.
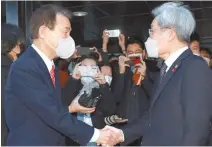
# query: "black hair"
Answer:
x=207 y=50
x=194 y=37
x=135 y=40
x=11 y=35
x=101 y=64
x=94 y=55
x=87 y=57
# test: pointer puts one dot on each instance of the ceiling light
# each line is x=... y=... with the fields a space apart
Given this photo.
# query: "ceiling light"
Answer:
x=80 y=13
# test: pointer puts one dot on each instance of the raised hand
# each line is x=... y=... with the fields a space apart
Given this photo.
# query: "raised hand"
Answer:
x=105 y=37
x=100 y=78
x=105 y=40
x=122 y=63
x=96 y=50
x=122 y=42
x=76 y=107
x=76 y=74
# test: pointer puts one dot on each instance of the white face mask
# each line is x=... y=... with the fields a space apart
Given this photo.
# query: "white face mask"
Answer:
x=207 y=60
x=108 y=79
x=151 y=47
x=65 y=48
x=86 y=80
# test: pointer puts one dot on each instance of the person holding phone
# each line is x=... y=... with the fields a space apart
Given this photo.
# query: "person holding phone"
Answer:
x=134 y=83
x=85 y=78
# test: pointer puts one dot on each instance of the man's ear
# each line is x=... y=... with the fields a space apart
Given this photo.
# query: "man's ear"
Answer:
x=172 y=35
x=42 y=31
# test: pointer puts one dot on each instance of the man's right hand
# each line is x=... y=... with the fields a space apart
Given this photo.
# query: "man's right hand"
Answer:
x=107 y=138
x=122 y=64
x=122 y=42
x=105 y=40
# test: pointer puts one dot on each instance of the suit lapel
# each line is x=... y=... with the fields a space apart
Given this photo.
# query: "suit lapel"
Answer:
x=173 y=69
x=41 y=64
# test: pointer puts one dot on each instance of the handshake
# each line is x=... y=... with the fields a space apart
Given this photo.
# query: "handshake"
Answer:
x=110 y=136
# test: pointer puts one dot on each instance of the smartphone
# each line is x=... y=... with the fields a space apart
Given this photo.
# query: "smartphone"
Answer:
x=88 y=71
x=134 y=59
x=113 y=33
x=85 y=50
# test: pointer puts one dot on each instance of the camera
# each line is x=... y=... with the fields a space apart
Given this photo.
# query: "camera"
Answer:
x=90 y=101
x=134 y=59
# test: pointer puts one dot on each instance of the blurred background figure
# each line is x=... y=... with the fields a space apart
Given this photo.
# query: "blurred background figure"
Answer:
x=206 y=54
x=195 y=44
x=12 y=45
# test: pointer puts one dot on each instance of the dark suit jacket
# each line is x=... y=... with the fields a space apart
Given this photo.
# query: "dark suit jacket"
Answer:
x=33 y=108
x=132 y=100
x=180 y=109
x=5 y=67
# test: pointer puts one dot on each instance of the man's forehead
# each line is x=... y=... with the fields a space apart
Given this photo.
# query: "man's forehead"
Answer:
x=62 y=20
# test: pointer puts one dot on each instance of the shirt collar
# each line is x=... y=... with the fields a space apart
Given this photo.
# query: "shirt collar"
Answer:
x=173 y=57
x=46 y=60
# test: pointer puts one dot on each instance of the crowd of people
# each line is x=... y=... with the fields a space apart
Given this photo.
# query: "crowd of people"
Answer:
x=156 y=92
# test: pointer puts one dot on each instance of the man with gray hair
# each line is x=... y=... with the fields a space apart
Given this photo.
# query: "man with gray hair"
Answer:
x=180 y=108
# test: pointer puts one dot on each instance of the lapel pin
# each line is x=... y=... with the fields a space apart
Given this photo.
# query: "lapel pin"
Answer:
x=175 y=68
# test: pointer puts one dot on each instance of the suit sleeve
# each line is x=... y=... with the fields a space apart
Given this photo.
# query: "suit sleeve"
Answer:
x=39 y=98
x=136 y=129
x=118 y=87
x=105 y=57
x=196 y=103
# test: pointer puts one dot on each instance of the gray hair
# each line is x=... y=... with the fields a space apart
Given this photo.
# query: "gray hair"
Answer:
x=178 y=16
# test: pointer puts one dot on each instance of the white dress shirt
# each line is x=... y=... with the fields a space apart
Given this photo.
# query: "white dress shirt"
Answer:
x=46 y=60
x=173 y=57
x=49 y=64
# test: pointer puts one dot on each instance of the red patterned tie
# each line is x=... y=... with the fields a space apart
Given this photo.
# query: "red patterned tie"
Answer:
x=52 y=74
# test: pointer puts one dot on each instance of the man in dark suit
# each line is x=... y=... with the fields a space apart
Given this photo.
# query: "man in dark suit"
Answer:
x=33 y=108
x=180 y=109
x=12 y=41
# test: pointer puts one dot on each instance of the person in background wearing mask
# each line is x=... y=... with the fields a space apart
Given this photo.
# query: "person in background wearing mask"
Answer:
x=12 y=41
x=91 y=116
x=107 y=71
x=132 y=98
x=180 y=108
x=33 y=108
x=134 y=94
x=194 y=44
x=206 y=54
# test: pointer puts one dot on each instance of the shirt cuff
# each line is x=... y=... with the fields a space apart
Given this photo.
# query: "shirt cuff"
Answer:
x=122 y=136
x=95 y=135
